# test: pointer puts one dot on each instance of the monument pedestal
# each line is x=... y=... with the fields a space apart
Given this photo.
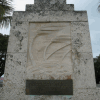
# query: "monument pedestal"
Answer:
x=49 y=41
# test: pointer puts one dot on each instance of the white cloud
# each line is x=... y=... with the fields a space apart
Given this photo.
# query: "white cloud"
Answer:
x=19 y=5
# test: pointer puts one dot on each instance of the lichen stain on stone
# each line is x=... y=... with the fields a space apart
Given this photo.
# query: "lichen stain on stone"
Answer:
x=19 y=23
x=17 y=34
x=69 y=77
x=13 y=27
x=19 y=62
x=78 y=43
x=77 y=56
x=11 y=56
x=78 y=71
x=85 y=61
x=21 y=38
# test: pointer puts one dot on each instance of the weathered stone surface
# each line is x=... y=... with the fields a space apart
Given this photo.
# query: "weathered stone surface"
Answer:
x=68 y=16
x=83 y=74
x=14 y=94
x=80 y=37
x=48 y=97
x=86 y=94
x=31 y=16
x=19 y=36
x=79 y=94
x=49 y=7
x=42 y=16
x=50 y=2
x=14 y=76
x=80 y=27
x=81 y=42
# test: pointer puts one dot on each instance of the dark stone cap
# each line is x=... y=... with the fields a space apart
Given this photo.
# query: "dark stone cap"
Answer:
x=49 y=5
x=49 y=1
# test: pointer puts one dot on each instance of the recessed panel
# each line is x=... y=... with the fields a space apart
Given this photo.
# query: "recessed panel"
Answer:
x=49 y=51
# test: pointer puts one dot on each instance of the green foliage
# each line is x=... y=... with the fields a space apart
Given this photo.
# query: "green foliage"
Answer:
x=3 y=51
x=97 y=68
x=99 y=6
x=5 y=10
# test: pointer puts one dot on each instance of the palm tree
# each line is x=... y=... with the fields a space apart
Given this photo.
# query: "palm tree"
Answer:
x=99 y=7
x=3 y=52
x=5 y=11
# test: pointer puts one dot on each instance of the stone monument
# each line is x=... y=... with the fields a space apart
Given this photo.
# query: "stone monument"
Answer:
x=49 y=47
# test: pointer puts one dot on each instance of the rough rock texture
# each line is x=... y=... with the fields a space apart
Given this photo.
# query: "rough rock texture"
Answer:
x=48 y=16
x=18 y=59
x=49 y=5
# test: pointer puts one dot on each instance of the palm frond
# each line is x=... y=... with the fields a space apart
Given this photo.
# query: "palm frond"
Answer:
x=99 y=6
x=5 y=10
x=5 y=21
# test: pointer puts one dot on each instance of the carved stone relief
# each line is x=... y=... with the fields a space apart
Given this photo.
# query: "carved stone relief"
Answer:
x=49 y=51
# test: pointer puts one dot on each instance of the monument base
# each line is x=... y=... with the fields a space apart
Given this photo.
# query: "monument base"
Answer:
x=79 y=94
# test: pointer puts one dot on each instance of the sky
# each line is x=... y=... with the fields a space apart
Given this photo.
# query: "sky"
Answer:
x=93 y=18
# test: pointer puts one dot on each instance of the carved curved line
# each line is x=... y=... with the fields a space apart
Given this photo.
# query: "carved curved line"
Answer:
x=32 y=70
x=66 y=54
x=30 y=51
x=46 y=49
x=49 y=45
x=52 y=26
x=57 y=50
x=44 y=32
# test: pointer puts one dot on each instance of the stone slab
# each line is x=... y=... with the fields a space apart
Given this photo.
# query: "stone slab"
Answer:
x=50 y=7
x=50 y=2
x=42 y=16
